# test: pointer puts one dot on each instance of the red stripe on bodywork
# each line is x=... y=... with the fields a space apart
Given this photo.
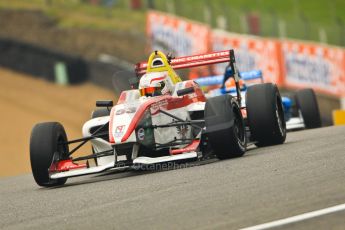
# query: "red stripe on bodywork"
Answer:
x=111 y=137
x=157 y=79
x=140 y=112
x=244 y=113
x=65 y=165
x=189 y=148
x=122 y=98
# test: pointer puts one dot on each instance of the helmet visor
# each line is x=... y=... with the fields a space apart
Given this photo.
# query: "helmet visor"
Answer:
x=151 y=91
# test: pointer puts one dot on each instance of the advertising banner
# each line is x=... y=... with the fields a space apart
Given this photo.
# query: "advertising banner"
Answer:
x=181 y=37
x=252 y=53
x=287 y=63
x=316 y=66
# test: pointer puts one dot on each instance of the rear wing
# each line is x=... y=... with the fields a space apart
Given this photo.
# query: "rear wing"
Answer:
x=218 y=79
x=191 y=61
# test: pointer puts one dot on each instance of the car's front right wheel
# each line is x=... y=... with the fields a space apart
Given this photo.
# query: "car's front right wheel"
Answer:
x=225 y=127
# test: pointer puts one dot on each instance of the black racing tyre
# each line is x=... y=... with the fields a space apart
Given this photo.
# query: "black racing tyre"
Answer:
x=100 y=113
x=45 y=145
x=265 y=114
x=307 y=104
x=225 y=127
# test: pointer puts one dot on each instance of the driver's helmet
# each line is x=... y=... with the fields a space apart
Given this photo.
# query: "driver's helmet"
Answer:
x=155 y=84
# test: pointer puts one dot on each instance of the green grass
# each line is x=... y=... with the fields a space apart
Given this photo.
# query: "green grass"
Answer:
x=302 y=18
x=75 y=14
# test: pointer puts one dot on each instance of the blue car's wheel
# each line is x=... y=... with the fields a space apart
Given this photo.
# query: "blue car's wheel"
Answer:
x=307 y=104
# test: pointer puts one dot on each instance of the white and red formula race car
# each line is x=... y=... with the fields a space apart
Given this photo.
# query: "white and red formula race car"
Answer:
x=165 y=119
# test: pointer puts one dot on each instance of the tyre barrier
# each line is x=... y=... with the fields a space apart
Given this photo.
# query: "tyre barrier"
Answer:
x=42 y=62
x=56 y=66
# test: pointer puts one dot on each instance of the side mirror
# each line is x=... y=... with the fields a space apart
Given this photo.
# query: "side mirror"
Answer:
x=185 y=91
x=104 y=103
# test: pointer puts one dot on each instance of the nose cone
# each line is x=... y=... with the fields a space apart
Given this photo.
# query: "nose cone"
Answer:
x=122 y=122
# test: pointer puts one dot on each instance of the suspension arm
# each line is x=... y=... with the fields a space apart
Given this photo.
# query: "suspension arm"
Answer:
x=86 y=139
x=95 y=155
x=181 y=120
x=177 y=124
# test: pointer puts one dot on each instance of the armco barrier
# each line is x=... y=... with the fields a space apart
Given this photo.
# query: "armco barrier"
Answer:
x=41 y=62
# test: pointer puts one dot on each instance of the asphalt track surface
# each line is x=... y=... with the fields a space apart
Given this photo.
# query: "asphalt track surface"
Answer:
x=305 y=174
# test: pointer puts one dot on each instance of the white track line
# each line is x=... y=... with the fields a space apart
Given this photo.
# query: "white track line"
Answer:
x=297 y=218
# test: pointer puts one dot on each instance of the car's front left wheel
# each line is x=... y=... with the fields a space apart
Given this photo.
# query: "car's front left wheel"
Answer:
x=47 y=145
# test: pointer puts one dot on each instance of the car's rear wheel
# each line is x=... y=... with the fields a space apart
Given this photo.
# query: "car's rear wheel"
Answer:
x=47 y=144
x=225 y=127
x=307 y=104
x=265 y=114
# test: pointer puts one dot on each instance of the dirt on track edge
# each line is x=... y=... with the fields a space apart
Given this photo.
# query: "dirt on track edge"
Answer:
x=25 y=101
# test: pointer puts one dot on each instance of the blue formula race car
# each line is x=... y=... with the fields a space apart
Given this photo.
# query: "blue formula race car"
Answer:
x=301 y=110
